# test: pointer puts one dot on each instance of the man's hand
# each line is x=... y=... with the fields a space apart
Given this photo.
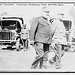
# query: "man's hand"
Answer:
x=53 y=45
x=31 y=42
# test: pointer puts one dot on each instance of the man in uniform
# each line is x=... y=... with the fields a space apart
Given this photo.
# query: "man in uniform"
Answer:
x=40 y=34
x=59 y=40
x=25 y=36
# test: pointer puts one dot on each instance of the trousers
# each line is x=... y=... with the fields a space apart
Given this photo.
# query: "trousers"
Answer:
x=41 y=59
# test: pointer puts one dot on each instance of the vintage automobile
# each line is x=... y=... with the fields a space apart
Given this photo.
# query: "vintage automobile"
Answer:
x=10 y=28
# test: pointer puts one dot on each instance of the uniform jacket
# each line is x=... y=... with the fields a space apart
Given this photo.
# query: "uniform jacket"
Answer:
x=43 y=33
x=24 y=33
x=59 y=31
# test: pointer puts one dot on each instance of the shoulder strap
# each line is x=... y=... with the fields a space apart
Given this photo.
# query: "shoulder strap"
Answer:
x=36 y=30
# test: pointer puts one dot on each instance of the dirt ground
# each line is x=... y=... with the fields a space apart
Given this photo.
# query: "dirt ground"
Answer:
x=13 y=61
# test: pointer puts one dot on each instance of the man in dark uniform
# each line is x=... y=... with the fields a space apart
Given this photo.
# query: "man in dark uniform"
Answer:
x=40 y=34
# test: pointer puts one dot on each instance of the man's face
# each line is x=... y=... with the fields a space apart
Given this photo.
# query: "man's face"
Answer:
x=60 y=16
x=24 y=26
x=46 y=13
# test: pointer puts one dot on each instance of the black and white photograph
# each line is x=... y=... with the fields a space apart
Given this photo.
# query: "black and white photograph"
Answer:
x=37 y=37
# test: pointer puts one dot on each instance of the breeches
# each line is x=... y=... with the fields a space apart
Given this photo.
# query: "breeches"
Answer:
x=41 y=48
x=42 y=55
x=58 y=50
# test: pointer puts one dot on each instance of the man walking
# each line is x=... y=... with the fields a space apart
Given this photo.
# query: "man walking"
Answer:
x=59 y=40
x=40 y=33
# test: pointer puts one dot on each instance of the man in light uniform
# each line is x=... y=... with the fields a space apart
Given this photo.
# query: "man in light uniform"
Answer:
x=59 y=39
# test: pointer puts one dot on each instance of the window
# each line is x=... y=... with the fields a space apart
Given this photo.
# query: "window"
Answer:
x=67 y=24
x=10 y=24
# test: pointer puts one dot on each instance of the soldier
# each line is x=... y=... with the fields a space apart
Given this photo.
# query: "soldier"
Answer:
x=25 y=36
x=59 y=39
x=40 y=34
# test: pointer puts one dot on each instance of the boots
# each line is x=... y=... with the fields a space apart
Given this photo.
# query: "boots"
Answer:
x=44 y=63
x=53 y=60
x=56 y=61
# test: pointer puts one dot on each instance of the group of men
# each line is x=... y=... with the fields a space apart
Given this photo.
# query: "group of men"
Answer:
x=47 y=33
